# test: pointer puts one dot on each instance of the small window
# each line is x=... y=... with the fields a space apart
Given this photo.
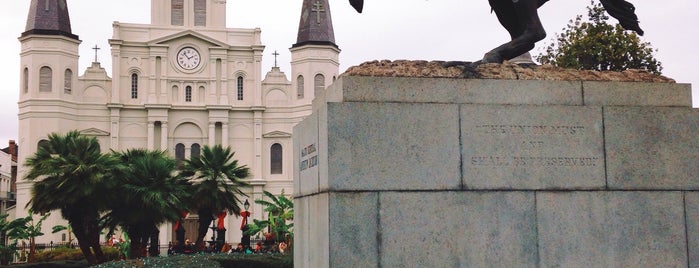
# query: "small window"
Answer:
x=68 y=82
x=134 y=86
x=25 y=80
x=276 y=159
x=202 y=94
x=240 y=88
x=199 y=12
x=177 y=13
x=175 y=94
x=319 y=84
x=45 y=79
x=44 y=144
x=196 y=151
x=188 y=94
x=299 y=87
x=179 y=153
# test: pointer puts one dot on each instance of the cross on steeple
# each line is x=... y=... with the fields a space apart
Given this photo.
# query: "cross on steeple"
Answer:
x=315 y=28
x=96 y=48
x=317 y=8
x=275 y=58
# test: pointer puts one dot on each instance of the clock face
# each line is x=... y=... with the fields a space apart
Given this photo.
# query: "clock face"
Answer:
x=188 y=58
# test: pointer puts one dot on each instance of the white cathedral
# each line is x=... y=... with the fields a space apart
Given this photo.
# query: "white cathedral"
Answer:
x=181 y=82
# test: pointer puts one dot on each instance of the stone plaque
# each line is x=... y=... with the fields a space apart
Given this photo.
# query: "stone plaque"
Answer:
x=532 y=147
x=306 y=156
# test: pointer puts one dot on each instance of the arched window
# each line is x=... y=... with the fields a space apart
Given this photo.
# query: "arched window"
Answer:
x=175 y=94
x=276 y=159
x=202 y=95
x=196 y=151
x=188 y=94
x=299 y=87
x=25 y=80
x=68 y=82
x=177 y=13
x=134 y=86
x=179 y=153
x=199 y=12
x=240 y=87
x=43 y=143
x=318 y=84
x=45 y=79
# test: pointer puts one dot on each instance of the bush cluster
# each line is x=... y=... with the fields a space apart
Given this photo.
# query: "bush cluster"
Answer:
x=73 y=254
x=209 y=260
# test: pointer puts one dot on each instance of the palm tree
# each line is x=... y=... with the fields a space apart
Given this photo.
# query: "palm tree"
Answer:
x=280 y=217
x=70 y=174
x=149 y=194
x=217 y=181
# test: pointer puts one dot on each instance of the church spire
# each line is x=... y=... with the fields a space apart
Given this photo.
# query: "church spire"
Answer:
x=49 y=17
x=316 y=26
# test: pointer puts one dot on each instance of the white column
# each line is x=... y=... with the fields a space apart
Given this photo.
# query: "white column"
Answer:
x=224 y=134
x=151 y=134
x=151 y=80
x=212 y=134
x=116 y=73
x=163 y=136
x=257 y=132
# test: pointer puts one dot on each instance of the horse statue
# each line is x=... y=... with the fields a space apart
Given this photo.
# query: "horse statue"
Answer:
x=521 y=20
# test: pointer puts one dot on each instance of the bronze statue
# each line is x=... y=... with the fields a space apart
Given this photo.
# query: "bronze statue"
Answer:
x=521 y=20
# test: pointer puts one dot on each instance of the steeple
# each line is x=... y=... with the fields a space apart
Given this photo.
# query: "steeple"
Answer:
x=49 y=17
x=316 y=26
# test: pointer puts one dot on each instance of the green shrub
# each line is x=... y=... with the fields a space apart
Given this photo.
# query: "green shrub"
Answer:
x=74 y=254
x=209 y=260
x=255 y=261
x=190 y=261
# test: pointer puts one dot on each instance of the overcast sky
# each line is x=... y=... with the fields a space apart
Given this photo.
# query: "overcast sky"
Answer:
x=413 y=29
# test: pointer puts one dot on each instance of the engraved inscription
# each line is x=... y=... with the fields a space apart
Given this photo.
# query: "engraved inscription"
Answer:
x=309 y=157
x=532 y=147
x=530 y=130
x=528 y=142
x=517 y=161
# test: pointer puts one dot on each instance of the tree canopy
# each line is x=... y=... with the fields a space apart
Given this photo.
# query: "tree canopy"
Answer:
x=136 y=190
x=594 y=44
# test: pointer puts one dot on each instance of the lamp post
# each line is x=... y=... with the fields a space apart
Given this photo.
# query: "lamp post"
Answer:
x=245 y=240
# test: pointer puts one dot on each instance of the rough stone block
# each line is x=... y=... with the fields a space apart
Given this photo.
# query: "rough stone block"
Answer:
x=320 y=231
x=311 y=230
x=692 y=207
x=302 y=231
x=637 y=94
x=458 y=229
x=354 y=229
x=532 y=147
x=611 y=229
x=450 y=90
x=652 y=147
x=393 y=146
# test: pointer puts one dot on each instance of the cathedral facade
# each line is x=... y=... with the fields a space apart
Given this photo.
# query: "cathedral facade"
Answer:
x=177 y=84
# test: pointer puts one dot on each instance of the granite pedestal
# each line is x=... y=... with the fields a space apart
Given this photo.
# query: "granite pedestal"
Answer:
x=432 y=172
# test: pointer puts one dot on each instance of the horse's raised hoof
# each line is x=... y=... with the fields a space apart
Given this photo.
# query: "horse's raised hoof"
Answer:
x=492 y=57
